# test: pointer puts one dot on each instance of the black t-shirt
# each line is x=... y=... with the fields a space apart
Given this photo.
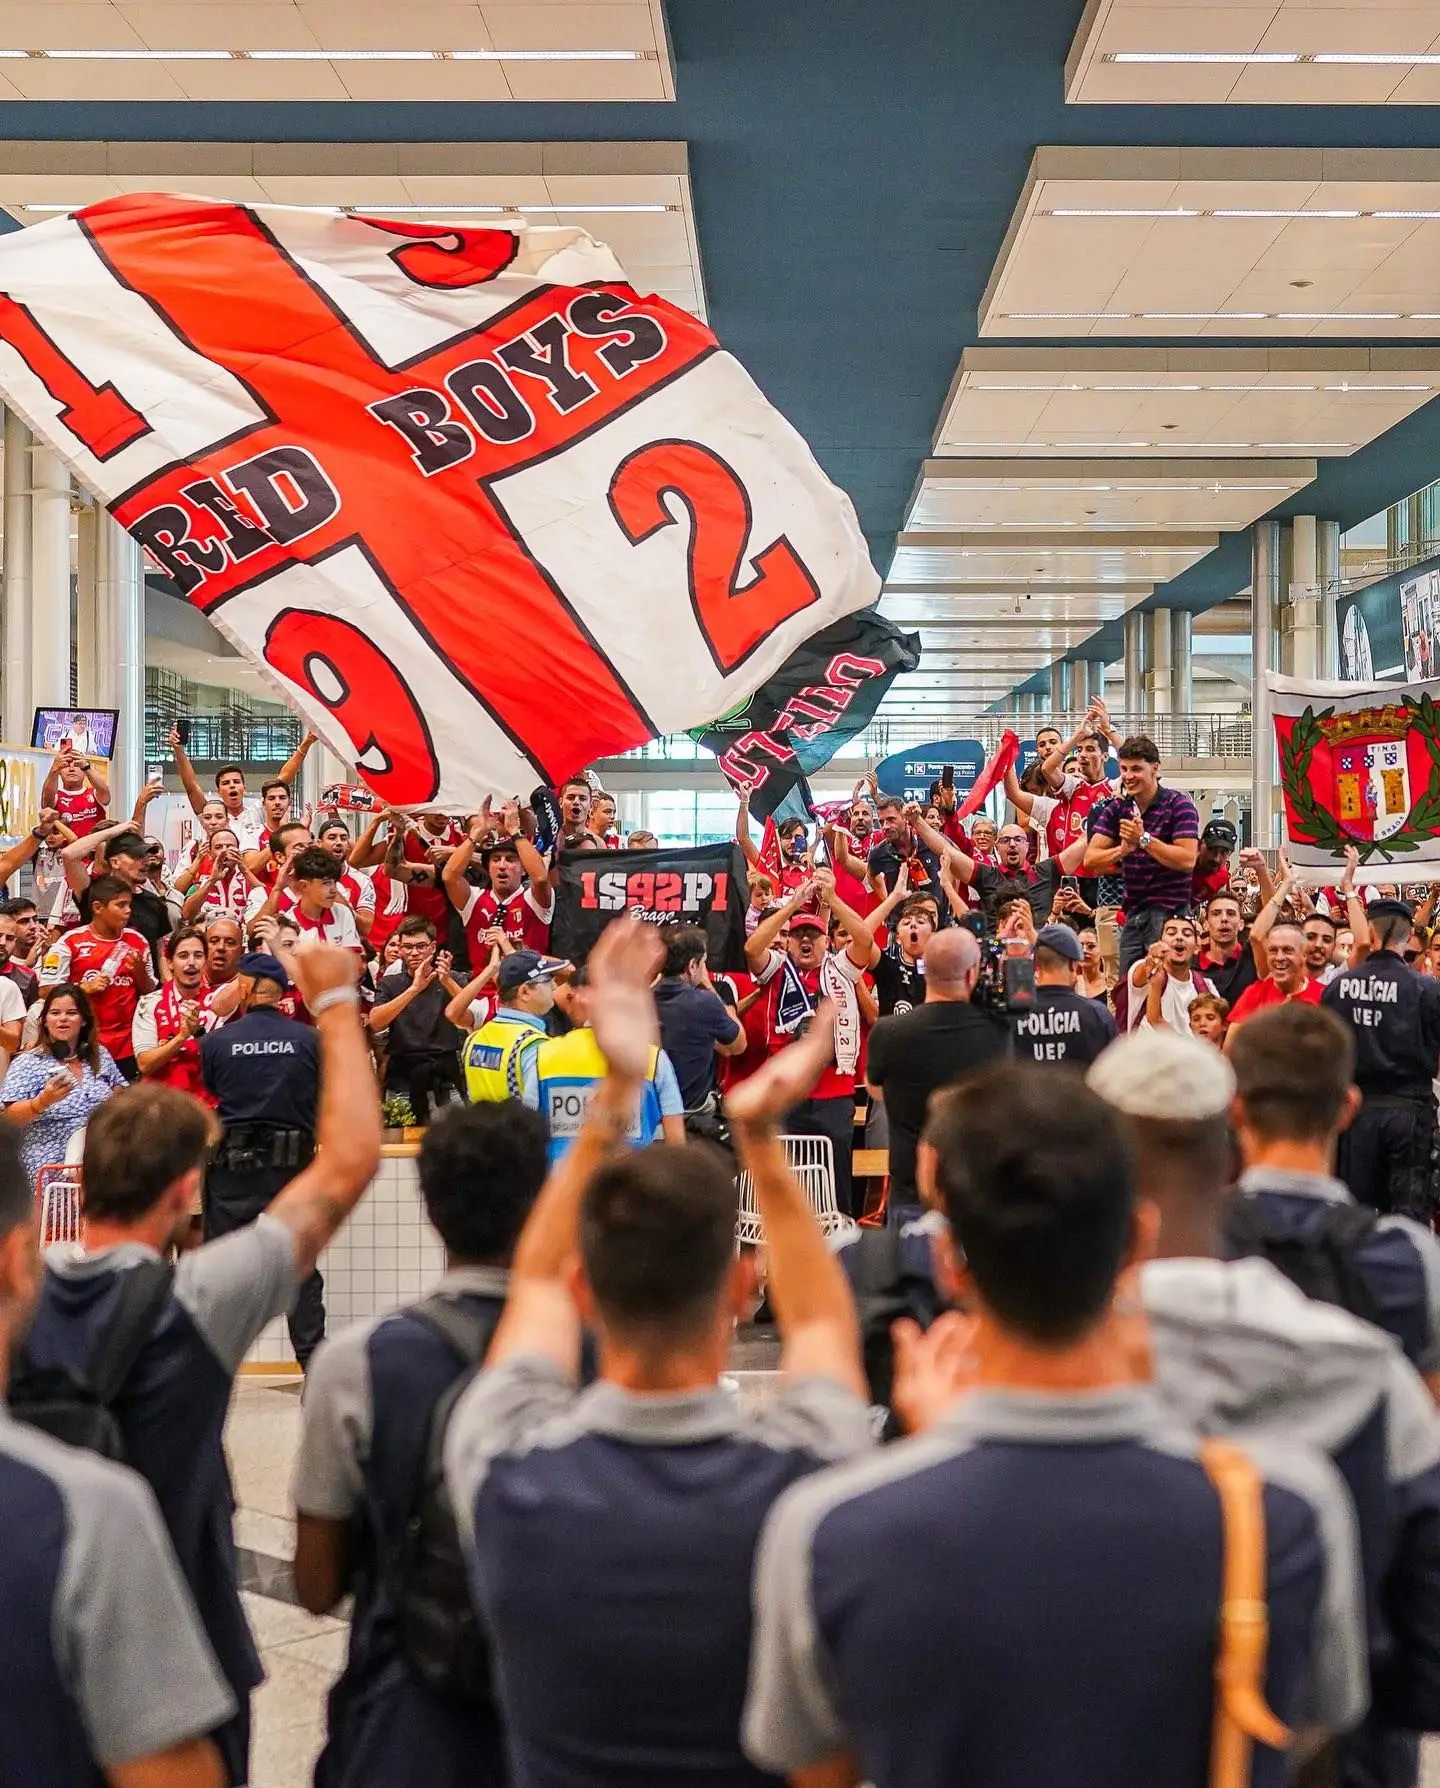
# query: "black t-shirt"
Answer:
x=1065 y=1027
x=1037 y=884
x=913 y=1053
x=1230 y=979
x=149 y=915
x=899 y=985
x=884 y=860
x=421 y=1028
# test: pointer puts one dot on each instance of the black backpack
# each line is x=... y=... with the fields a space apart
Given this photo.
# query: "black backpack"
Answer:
x=440 y=1633
x=75 y=1407
x=1323 y=1260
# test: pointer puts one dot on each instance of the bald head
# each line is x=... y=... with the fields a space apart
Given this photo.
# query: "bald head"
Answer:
x=952 y=960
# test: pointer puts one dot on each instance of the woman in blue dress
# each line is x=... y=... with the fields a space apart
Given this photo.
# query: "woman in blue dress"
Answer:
x=51 y=1090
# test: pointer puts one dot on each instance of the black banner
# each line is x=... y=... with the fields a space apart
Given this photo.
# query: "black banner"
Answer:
x=707 y=886
x=822 y=695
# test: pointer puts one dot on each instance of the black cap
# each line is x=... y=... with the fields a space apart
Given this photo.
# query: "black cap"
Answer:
x=1221 y=834
x=1390 y=909
x=262 y=966
x=1062 y=940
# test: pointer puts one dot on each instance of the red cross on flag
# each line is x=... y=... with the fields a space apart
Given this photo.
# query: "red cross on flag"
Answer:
x=480 y=511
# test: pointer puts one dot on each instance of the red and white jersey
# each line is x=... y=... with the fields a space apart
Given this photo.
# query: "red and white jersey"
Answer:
x=332 y=925
x=285 y=902
x=248 y=826
x=80 y=809
x=230 y=896
x=76 y=954
x=157 y=1020
x=359 y=891
x=1077 y=798
x=522 y=918
x=392 y=902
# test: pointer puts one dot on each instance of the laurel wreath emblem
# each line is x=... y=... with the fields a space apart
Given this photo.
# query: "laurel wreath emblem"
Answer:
x=1314 y=824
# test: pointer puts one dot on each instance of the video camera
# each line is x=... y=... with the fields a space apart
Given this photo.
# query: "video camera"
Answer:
x=1005 y=987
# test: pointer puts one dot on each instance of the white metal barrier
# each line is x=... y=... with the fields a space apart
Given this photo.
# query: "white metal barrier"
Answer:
x=57 y=1195
x=812 y=1161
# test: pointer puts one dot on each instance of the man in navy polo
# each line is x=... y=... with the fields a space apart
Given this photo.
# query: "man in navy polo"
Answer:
x=1151 y=834
x=370 y=1402
x=1030 y=1591
x=611 y=1531
x=145 y=1150
x=107 y=1674
x=1294 y=1068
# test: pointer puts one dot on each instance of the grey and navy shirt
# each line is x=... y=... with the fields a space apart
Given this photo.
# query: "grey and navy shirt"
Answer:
x=101 y=1655
x=611 y=1539
x=1029 y=1593
x=1240 y=1351
x=371 y=1396
x=1400 y=1261
x=172 y=1407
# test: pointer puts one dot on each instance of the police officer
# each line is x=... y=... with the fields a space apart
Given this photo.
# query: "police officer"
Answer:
x=494 y=1056
x=263 y=1070
x=1065 y=1026
x=1386 y=1154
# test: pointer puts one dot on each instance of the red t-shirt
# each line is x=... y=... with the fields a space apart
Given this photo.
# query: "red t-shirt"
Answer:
x=431 y=903
x=157 y=1021
x=1207 y=882
x=76 y=954
x=1261 y=994
x=80 y=809
x=522 y=918
x=832 y=1084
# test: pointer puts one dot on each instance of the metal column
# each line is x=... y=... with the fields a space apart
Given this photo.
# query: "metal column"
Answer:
x=1159 y=698
x=1135 y=667
x=1059 y=690
x=15 y=720
x=1327 y=565
x=49 y=580
x=1182 y=663
x=120 y=634
x=1265 y=601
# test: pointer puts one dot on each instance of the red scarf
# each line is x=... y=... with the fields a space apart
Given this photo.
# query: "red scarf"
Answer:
x=182 y=1071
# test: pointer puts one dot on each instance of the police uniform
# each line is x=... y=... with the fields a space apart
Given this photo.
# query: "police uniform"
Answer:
x=263 y=1071
x=1386 y=1156
x=560 y=1077
x=493 y=1057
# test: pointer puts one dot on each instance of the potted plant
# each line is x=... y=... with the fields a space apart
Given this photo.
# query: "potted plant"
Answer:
x=397 y=1116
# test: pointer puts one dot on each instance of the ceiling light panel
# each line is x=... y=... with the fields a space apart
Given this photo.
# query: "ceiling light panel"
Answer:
x=1202 y=244
x=1008 y=494
x=1288 y=52
x=634 y=196
x=1180 y=403
x=313 y=50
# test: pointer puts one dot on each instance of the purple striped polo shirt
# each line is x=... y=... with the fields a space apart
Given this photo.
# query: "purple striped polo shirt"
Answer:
x=1170 y=817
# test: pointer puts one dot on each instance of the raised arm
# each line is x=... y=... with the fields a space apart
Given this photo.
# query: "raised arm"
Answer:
x=863 y=949
x=318 y=1200
x=453 y=876
x=814 y=1311
x=25 y=848
x=365 y=853
x=1356 y=917
x=290 y=769
x=1265 y=922
x=156 y=786
x=1020 y=799
x=742 y=830
x=540 y=1314
x=901 y=891
x=99 y=781
x=73 y=855
x=458 y=1011
x=762 y=939
x=1050 y=767
x=189 y=781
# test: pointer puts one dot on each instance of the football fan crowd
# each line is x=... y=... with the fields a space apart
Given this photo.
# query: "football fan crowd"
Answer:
x=1104 y=1445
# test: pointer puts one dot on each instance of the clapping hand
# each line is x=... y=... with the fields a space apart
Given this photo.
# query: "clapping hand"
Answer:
x=1131 y=832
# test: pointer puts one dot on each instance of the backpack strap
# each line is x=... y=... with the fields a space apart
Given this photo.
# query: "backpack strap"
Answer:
x=144 y=1292
x=1241 y=1713
x=463 y=1327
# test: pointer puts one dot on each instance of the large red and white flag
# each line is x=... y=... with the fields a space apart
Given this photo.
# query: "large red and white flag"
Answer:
x=478 y=510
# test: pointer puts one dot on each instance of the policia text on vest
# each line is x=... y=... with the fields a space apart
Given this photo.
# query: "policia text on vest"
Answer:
x=493 y=1056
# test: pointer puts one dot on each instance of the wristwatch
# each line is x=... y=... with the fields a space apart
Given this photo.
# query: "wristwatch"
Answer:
x=1146 y=841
